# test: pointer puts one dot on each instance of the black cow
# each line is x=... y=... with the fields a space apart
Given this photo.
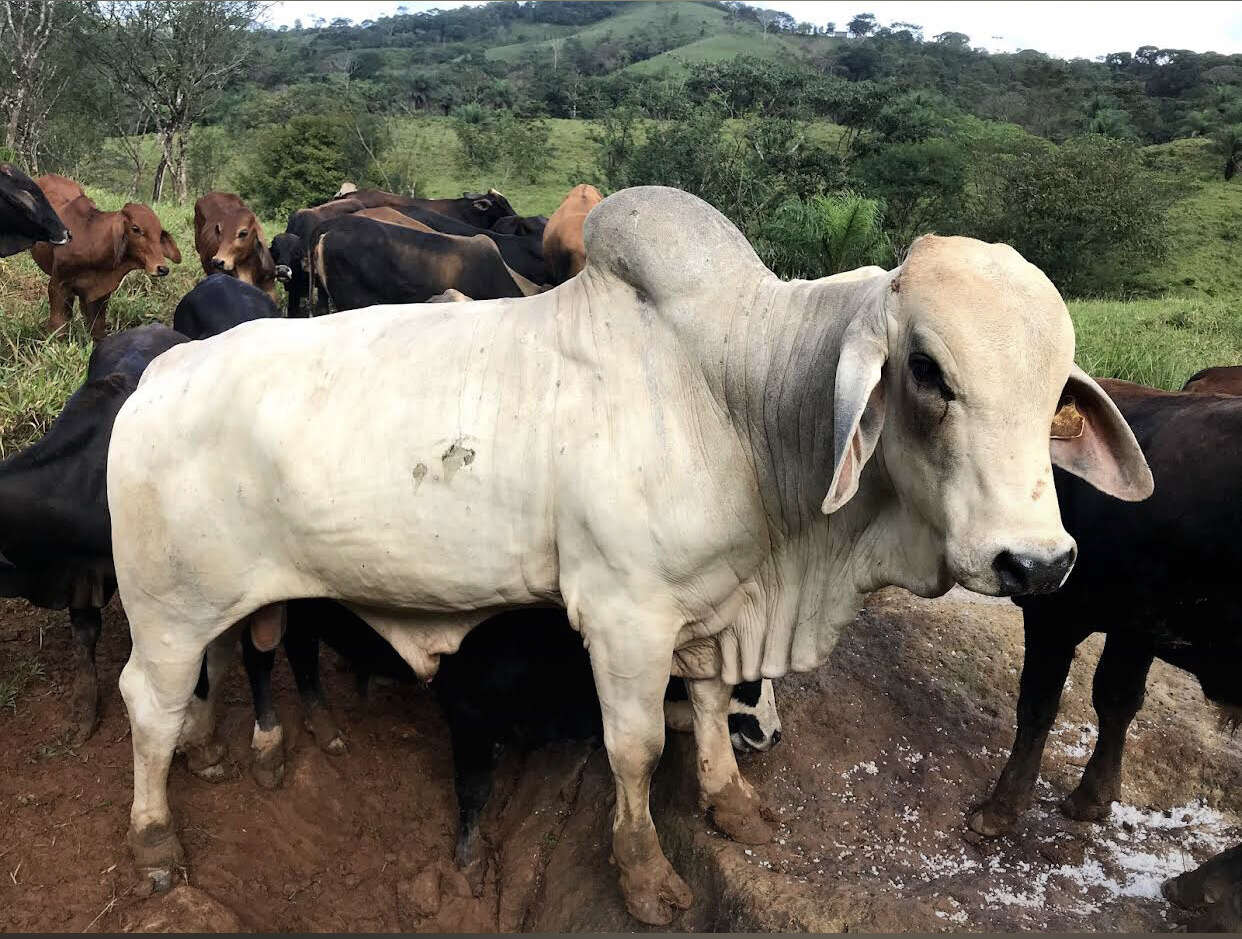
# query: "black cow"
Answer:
x=218 y=303
x=480 y=209
x=25 y=214
x=520 y=678
x=521 y=225
x=55 y=531
x=1159 y=577
x=360 y=262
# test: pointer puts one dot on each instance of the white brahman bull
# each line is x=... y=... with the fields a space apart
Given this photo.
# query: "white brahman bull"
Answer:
x=707 y=466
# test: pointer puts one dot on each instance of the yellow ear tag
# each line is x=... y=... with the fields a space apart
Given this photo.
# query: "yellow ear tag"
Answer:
x=1068 y=422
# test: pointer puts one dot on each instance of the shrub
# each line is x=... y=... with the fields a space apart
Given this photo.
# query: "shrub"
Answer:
x=824 y=235
x=501 y=143
x=304 y=162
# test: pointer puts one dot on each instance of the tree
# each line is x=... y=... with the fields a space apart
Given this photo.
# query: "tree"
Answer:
x=29 y=30
x=1227 y=144
x=863 y=24
x=173 y=60
x=824 y=235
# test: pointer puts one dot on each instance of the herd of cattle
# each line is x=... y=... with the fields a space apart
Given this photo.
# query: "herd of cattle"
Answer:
x=644 y=480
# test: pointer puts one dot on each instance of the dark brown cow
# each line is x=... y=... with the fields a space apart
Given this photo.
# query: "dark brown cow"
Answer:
x=229 y=240
x=1220 y=379
x=105 y=247
x=480 y=209
x=563 y=250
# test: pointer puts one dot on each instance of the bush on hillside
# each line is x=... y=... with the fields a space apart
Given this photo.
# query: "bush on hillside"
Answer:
x=304 y=162
x=501 y=143
x=1088 y=212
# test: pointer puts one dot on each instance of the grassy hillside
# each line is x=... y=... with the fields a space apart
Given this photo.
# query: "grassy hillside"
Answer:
x=718 y=48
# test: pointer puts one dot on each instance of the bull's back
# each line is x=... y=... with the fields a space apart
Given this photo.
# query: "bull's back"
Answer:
x=394 y=455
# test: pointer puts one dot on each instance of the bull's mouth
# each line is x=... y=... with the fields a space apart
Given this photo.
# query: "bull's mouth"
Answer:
x=64 y=239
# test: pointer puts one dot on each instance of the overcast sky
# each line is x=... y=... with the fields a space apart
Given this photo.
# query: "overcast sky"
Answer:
x=1058 y=27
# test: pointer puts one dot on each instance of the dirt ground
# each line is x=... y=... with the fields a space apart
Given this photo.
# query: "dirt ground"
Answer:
x=885 y=748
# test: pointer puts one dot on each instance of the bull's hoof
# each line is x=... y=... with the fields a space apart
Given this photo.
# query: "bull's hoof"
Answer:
x=736 y=812
x=83 y=717
x=206 y=761
x=268 y=767
x=1081 y=807
x=319 y=722
x=157 y=853
x=992 y=821
x=654 y=892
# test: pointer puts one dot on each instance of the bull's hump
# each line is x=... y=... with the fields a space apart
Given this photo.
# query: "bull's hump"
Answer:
x=667 y=243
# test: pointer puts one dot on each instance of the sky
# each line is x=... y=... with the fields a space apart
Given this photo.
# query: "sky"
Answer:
x=1064 y=28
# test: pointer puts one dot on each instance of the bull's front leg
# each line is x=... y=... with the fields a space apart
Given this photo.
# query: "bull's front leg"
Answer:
x=731 y=802
x=630 y=662
x=86 y=623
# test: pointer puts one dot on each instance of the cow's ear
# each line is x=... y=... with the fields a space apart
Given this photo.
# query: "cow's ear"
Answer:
x=482 y=205
x=171 y=251
x=857 y=406
x=120 y=243
x=1092 y=440
x=267 y=267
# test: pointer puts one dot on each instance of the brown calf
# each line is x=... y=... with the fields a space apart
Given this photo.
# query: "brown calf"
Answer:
x=1220 y=379
x=563 y=250
x=229 y=239
x=105 y=247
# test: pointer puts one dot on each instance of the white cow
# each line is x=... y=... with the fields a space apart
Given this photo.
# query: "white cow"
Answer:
x=707 y=466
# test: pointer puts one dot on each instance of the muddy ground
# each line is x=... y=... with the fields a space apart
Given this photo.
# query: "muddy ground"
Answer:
x=884 y=749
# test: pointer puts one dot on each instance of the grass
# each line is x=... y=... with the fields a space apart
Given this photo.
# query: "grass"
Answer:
x=718 y=48
x=14 y=683
x=1159 y=342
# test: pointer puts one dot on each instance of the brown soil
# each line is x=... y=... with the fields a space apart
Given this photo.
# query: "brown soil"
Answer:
x=884 y=749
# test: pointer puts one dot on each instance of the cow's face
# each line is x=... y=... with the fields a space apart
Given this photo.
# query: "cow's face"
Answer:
x=287 y=254
x=29 y=213
x=956 y=373
x=144 y=243
x=239 y=239
x=489 y=207
x=754 y=723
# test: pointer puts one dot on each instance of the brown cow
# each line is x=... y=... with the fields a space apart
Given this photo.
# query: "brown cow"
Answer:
x=1219 y=379
x=563 y=251
x=105 y=247
x=229 y=239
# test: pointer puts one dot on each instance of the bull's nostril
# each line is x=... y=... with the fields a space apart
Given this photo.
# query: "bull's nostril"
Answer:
x=162 y=271
x=776 y=737
x=1012 y=571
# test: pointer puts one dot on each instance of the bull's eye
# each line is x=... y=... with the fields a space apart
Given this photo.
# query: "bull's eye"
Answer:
x=243 y=233
x=927 y=375
x=136 y=230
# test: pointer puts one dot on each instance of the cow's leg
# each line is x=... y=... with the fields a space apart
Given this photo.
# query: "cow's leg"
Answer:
x=96 y=316
x=59 y=307
x=1117 y=694
x=631 y=673
x=302 y=650
x=267 y=744
x=1214 y=889
x=474 y=763
x=204 y=752
x=156 y=690
x=1049 y=652
x=86 y=623
x=731 y=802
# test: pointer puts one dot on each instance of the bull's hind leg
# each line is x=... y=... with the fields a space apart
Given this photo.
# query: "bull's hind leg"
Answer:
x=156 y=684
x=631 y=673
x=1049 y=651
x=302 y=650
x=86 y=623
x=731 y=802
x=1117 y=694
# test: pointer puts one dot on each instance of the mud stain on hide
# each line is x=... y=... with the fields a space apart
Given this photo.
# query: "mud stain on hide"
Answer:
x=454 y=458
x=419 y=474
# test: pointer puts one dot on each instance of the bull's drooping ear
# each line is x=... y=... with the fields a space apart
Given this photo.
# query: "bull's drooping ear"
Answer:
x=857 y=407
x=482 y=205
x=1092 y=440
x=267 y=267
x=171 y=251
